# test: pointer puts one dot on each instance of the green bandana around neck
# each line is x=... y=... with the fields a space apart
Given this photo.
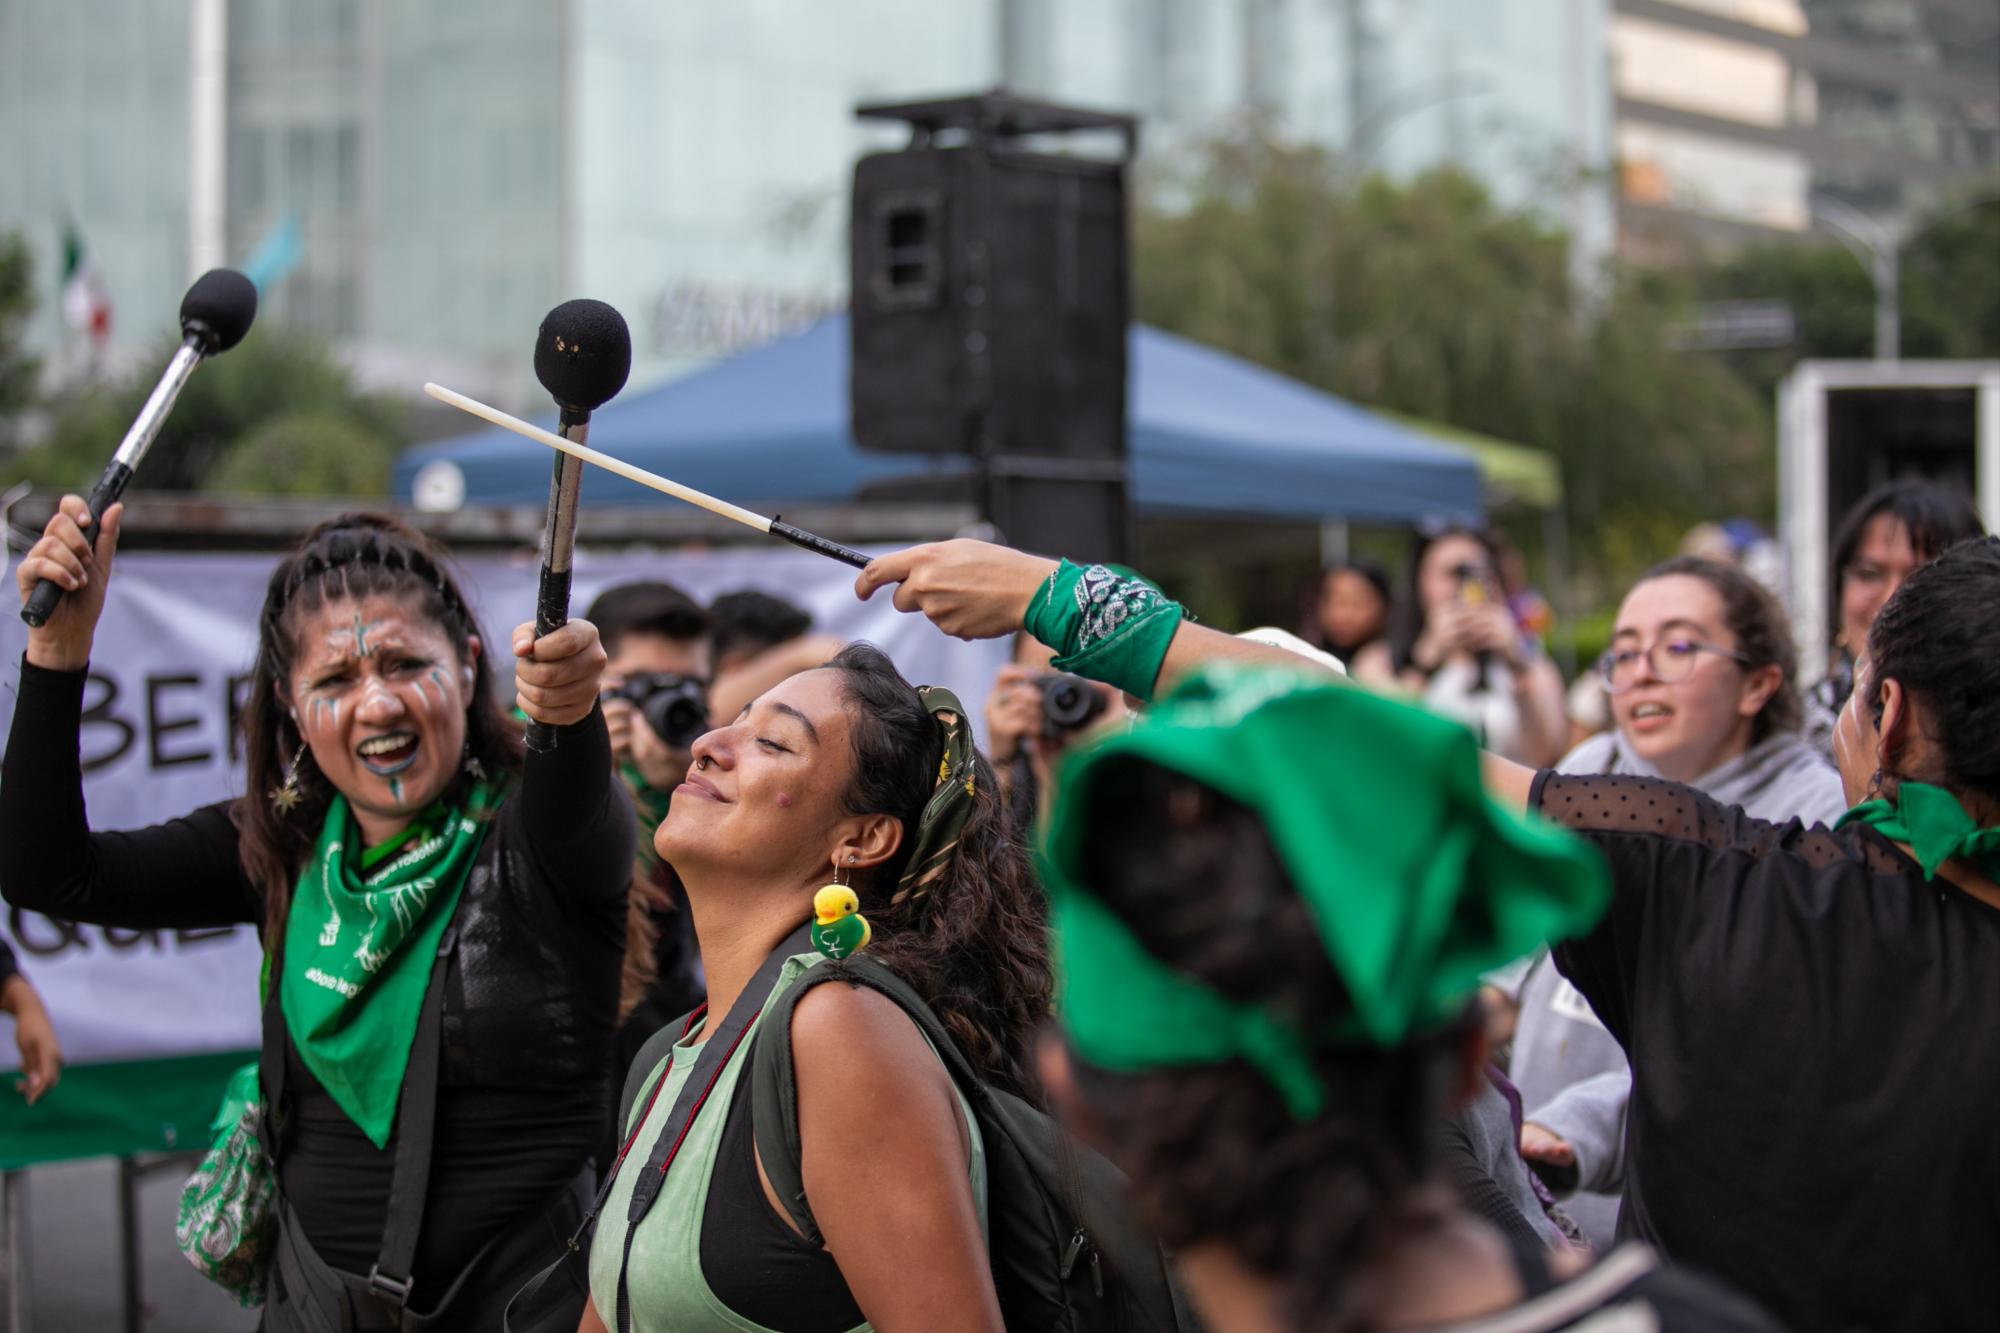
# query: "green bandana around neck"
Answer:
x=359 y=943
x=1417 y=881
x=649 y=805
x=950 y=803
x=1934 y=824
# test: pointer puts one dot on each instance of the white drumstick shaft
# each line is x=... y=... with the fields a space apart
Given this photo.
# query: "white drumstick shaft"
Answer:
x=626 y=470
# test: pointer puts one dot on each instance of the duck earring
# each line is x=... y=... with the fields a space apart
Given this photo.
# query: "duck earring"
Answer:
x=285 y=798
x=838 y=927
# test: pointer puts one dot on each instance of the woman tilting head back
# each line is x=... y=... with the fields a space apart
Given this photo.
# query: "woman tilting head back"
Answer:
x=841 y=776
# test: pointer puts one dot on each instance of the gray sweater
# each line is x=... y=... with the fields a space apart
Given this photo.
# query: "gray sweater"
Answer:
x=1572 y=1075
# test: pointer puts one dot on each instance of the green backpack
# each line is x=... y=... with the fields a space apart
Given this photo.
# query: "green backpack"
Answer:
x=1067 y=1254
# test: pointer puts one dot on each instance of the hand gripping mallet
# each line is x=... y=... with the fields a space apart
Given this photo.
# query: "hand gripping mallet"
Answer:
x=776 y=527
x=583 y=352
x=215 y=314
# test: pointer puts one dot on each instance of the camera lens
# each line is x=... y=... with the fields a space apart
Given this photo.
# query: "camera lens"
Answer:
x=1068 y=702
x=678 y=713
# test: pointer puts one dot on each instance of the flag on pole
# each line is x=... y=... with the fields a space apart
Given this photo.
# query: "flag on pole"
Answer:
x=278 y=255
x=85 y=300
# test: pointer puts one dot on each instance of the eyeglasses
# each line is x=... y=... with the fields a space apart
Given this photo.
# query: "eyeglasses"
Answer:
x=1670 y=659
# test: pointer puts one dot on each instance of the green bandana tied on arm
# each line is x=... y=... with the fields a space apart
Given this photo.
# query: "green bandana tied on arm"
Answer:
x=1104 y=624
x=359 y=944
x=1935 y=826
x=1417 y=880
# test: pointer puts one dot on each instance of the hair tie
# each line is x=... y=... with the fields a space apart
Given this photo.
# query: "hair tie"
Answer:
x=950 y=803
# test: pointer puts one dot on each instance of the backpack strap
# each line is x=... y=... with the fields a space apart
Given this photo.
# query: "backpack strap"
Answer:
x=774 y=1102
x=655 y=1050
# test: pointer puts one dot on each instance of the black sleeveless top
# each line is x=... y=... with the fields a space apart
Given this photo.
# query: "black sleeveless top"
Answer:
x=754 y=1263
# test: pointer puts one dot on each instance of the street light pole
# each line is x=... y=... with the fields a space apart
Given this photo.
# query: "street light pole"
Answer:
x=1878 y=249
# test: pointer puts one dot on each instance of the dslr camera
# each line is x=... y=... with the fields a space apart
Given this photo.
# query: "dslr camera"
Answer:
x=675 y=707
x=1069 y=704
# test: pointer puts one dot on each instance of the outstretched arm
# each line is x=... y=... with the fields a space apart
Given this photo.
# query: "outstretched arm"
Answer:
x=976 y=590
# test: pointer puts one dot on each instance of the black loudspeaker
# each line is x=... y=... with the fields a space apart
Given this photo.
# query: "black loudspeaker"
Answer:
x=988 y=313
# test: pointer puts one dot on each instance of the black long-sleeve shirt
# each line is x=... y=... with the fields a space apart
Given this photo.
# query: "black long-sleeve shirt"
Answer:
x=1810 y=1025
x=531 y=991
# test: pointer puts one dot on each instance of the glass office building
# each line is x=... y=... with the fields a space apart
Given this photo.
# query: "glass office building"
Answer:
x=456 y=167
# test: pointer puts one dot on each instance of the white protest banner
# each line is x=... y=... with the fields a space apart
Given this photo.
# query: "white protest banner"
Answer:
x=151 y=1021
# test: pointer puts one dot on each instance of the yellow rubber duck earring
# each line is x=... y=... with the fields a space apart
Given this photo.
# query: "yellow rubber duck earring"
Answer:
x=839 y=929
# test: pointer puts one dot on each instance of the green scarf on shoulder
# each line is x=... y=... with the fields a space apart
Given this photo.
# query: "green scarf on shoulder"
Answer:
x=359 y=944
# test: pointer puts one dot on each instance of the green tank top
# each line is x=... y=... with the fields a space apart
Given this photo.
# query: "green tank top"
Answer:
x=664 y=1280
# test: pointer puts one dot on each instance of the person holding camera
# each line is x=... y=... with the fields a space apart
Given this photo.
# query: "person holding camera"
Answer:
x=1033 y=713
x=656 y=683
x=1456 y=647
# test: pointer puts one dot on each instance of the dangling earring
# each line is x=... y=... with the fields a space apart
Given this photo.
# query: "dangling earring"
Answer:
x=286 y=797
x=471 y=764
x=838 y=927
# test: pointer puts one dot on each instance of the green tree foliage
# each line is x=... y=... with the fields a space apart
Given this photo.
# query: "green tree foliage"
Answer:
x=276 y=392
x=314 y=452
x=1428 y=298
x=1950 y=295
x=18 y=370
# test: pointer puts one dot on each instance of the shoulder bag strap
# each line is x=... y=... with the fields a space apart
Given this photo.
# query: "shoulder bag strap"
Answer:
x=774 y=1103
x=708 y=1066
x=271 y=1064
x=416 y=1124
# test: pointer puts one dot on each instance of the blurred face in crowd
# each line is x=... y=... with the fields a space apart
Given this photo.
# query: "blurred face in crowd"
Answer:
x=1680 y=706
x=1438 y=583
x=762 y=798
x=379 y=693
x=1883 y=558
x=1351 y=612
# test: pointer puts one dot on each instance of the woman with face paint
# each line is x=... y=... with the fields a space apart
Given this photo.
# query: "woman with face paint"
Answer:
x=1804 y=1008
x=443 y=922
x=849 y=775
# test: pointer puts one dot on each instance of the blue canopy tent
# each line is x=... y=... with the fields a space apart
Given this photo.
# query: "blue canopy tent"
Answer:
x=1209 y=435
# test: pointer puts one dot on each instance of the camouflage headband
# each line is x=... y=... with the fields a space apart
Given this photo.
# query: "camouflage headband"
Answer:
x=950 y=803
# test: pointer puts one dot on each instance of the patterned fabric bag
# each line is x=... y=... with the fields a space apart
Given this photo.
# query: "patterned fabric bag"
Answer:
x=228 y=1212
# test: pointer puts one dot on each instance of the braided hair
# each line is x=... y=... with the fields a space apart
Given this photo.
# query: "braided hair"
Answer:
x=346 y=558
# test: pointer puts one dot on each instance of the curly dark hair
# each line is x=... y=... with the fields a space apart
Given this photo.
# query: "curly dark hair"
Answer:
x=353 y=556
x=1940 y=637
x=974 y=945
x=1756 y=620
x=1213 y=1152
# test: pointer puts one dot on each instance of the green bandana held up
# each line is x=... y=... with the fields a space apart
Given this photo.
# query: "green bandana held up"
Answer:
x=1935 y=826
x=1417 y=880
x=359 y=943
x=1104 y=624
x=950 y=803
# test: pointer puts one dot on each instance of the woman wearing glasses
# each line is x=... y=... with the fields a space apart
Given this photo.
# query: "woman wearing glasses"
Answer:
x=1702 y=678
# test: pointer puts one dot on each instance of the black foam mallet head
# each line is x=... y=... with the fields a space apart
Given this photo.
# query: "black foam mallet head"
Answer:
x=218 y=309
x=583 y=353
